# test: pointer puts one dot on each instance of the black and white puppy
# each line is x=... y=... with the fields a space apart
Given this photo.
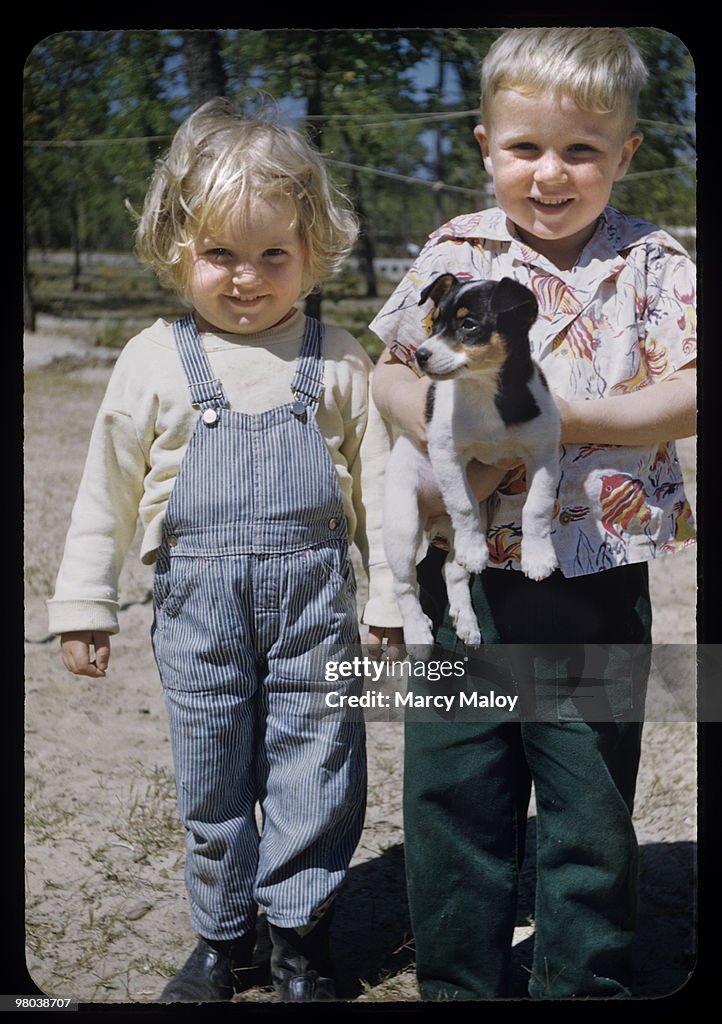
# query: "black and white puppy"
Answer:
x=488 y=401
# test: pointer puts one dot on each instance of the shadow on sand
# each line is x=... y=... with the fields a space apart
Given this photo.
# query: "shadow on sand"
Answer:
x=372 y=937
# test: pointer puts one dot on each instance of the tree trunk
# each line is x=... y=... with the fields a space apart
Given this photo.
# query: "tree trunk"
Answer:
x=28 y=302
x=439 y=152
x=202 y=55
x=314 y=109
x=72 y=195
x=366 y=248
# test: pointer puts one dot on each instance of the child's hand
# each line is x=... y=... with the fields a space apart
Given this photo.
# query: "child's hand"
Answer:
x=75 y=652
x=485 y=479
x=394 y=637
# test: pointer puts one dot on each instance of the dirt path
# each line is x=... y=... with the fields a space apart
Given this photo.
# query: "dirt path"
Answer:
x=106 y=906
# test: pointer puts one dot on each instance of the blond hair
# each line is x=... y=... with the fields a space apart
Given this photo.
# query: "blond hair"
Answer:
x=217 y=162
x=599 y=68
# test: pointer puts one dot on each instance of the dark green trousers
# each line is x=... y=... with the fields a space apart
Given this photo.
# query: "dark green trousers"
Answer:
x=467 y=785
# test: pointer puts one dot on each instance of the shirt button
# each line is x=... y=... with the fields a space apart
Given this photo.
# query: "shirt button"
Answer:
x=210 y=416
x=172 y=541
x=332 y=524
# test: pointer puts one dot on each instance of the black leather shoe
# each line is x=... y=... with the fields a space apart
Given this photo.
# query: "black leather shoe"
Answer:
x=301 y=964
x=211 y=974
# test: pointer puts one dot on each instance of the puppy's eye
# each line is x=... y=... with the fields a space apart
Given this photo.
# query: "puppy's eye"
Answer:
x=467 y=324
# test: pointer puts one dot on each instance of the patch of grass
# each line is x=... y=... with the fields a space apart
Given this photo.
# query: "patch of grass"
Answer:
x=390 y=988
x=44 y=819
x=152 y=823
x=113 y=333
x=158 y=965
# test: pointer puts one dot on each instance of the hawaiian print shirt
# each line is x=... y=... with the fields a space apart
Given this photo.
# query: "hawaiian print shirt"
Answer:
x=621 y=319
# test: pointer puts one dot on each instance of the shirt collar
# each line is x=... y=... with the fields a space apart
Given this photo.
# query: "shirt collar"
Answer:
x=615 y=235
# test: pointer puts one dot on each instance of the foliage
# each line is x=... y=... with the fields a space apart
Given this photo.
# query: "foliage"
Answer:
x=660 y=184
x=392 y=111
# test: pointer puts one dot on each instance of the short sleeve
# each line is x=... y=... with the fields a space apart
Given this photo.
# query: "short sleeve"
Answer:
x=669 y=341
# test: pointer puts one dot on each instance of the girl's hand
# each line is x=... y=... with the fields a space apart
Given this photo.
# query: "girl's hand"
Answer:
x=394 y=637
x=485 y=479
x=75 y=652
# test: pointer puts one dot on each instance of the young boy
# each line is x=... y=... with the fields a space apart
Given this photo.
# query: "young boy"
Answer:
x=616 y=340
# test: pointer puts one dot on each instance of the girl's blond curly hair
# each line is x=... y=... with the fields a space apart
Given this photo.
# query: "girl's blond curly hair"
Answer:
x=218 y=161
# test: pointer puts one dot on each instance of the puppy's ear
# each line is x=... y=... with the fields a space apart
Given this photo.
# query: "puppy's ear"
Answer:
x=510 y=296
x=438 y=289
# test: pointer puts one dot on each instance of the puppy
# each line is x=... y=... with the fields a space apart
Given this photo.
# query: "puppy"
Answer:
x=488 y=401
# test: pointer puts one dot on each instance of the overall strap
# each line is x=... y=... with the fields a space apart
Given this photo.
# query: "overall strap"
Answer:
x=206 y=391
x=307 y=383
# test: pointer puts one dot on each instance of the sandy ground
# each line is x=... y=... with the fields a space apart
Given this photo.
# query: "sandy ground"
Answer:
x=105 y=903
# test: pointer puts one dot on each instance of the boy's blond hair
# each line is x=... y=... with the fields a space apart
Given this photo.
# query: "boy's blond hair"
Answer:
x=217 y=162
x=599 y=68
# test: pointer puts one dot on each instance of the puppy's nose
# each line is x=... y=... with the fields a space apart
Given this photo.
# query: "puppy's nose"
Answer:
x=422 y=357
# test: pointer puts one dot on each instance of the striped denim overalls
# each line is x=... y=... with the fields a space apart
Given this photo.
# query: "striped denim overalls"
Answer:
x=252 y=578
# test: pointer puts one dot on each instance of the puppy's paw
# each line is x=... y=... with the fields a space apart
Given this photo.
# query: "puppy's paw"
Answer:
x=466 y=626
x=420 y=652
x=538 y=561
x=473 y=554
x=418 y=638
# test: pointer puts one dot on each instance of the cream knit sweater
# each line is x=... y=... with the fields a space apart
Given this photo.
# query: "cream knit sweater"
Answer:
x=141 y=433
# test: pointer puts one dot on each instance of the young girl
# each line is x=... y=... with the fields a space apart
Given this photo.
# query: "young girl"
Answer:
x=244 y=437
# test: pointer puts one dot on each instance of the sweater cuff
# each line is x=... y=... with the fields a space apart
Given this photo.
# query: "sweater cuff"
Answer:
x=76 y=616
